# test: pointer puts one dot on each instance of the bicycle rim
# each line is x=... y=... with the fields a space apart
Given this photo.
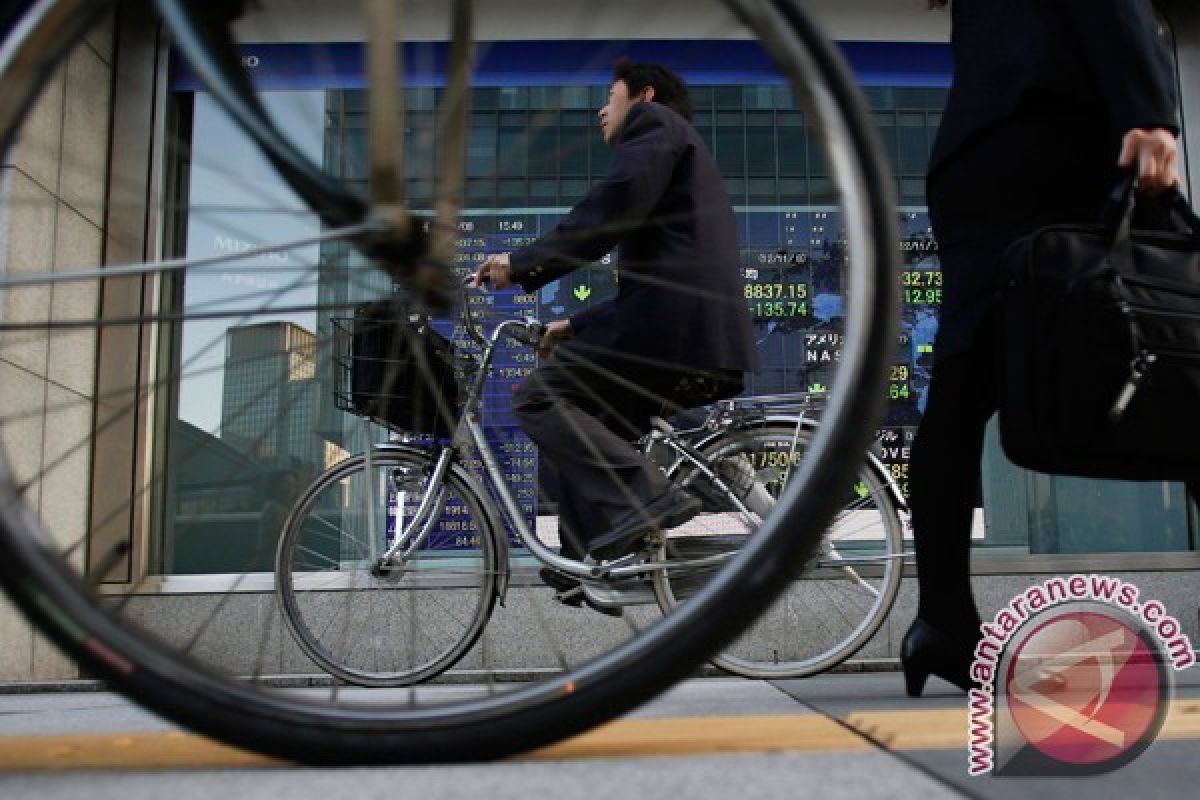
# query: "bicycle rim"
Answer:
x=405 y=625
x=52 y=573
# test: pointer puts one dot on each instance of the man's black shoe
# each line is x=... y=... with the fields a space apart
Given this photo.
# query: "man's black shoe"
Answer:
x=669 y=510
x=569 y=592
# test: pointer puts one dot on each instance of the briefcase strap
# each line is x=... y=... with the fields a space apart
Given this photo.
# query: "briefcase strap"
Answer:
x=1183 y=214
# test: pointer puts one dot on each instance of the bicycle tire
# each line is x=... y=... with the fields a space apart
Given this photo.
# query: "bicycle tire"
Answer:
x=332 y=556
x=830 y=612
x=50 y=589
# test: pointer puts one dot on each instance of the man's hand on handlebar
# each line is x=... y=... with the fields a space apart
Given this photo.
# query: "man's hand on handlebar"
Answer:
x=496 y=271
x=554 y=333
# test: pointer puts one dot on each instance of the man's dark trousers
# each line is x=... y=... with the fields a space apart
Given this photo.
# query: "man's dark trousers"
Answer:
x=584 y=413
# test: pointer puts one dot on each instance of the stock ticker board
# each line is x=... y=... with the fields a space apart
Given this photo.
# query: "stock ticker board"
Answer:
x=792 y=268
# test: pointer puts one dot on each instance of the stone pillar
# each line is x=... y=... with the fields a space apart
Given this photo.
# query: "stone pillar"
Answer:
x=52 y=216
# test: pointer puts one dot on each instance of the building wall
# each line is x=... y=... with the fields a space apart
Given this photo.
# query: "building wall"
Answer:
x=52 y=215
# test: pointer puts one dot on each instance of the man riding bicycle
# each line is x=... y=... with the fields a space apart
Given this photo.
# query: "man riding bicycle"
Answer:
x=677 y=334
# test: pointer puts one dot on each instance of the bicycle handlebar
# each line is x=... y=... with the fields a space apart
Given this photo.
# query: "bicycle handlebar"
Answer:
x=528 y=330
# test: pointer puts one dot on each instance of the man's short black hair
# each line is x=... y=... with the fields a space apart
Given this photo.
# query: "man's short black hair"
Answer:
x=669 y=88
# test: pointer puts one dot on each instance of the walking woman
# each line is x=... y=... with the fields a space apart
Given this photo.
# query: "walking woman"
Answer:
x=1049 y=98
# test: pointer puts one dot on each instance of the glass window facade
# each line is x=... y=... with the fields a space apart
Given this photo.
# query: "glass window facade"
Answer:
x=255 y=422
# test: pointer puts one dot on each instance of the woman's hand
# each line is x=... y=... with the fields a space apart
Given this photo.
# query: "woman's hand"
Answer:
x=1156 y=154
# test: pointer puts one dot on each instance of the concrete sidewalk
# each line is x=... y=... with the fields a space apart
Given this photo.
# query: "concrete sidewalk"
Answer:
x=836 y=736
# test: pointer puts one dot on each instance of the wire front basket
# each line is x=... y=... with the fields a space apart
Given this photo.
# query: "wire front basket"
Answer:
x=396 y=370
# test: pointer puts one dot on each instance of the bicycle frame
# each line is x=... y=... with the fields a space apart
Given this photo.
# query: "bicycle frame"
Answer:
x=468 y=434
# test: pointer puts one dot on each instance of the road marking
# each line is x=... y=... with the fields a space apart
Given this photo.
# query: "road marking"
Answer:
x=706 y=735
x=940 y=729
x=169 y=750
x=620 y=739
x=929 y=729
x=946 y=729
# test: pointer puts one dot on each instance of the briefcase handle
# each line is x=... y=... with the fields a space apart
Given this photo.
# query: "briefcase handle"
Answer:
x=1117 y=217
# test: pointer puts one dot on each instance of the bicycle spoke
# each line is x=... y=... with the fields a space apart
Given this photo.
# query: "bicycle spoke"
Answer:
x=174 y=265
x=543 y=627
x=219 y=459
x=453 y=132
x=386 y=98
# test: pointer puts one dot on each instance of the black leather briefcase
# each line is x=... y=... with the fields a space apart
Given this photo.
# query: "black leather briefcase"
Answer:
x=1100 y=346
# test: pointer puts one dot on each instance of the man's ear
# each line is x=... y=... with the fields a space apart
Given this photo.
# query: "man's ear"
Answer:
x=646 y=94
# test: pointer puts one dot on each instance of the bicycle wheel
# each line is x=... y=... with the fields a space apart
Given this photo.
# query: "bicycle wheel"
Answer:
x=845 y=590
x=164 y=586
x=398 y=627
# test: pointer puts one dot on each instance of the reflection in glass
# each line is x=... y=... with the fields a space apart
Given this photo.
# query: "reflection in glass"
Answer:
x=253 y=420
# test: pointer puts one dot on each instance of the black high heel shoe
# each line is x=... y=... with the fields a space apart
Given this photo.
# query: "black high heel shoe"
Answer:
x=927 y=651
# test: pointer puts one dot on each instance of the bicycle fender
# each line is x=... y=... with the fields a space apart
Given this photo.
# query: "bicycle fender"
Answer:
x=886 y=478
x=495 y=526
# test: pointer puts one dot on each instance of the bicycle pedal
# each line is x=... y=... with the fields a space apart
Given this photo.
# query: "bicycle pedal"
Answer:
x=651 y=542
x=603 y=572
x=570 y=597
x=628 y=593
